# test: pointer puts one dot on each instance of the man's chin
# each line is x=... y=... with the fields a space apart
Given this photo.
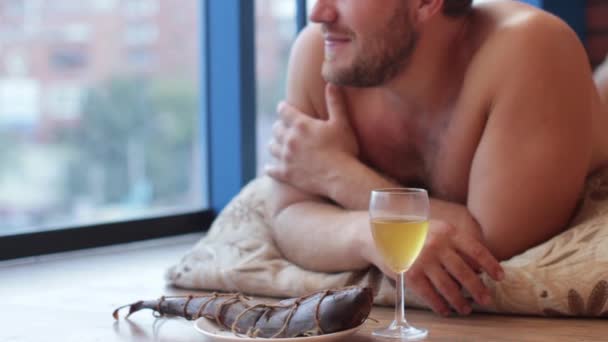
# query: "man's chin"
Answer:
x=331 y=75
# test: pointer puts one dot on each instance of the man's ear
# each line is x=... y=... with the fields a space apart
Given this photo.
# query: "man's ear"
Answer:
x=426 y=9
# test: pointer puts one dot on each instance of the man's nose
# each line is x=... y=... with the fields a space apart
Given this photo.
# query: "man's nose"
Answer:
x=324 y=11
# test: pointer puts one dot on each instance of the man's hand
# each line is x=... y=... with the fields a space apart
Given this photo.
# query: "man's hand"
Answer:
x=441 y=269
x=309 y=152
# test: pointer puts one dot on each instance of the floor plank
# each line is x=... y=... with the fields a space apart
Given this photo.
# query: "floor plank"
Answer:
x=70 y=297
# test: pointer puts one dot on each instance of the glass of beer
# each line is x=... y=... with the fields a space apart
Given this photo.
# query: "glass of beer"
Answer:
x=399 y=221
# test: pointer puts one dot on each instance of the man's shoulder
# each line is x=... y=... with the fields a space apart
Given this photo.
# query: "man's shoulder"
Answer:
x=527 y=43
x=305 y=83
x=536 y=30
x=525 y=33
x=528 y=66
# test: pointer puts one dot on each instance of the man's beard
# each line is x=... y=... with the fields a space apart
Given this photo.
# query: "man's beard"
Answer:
x=380 y=58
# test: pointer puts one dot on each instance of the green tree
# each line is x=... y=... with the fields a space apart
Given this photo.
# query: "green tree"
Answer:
x=134 y=143
x=175 y=134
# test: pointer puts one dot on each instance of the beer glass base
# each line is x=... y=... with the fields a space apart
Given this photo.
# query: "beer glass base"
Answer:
x=403 y=333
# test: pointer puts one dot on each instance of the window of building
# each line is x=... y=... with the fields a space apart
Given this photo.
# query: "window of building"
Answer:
x=13 y=8
x=103 y=143
x=68 y=58
x=139 y=8
x=141 y=34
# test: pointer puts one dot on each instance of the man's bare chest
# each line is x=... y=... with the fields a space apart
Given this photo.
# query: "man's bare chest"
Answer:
x=432 y=157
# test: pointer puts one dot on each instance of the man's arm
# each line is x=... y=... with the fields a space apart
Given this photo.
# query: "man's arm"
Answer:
x=309 y=230
x=529 y=168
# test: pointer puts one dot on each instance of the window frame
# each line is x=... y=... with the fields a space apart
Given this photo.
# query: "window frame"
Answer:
x=80 y=237
x=231 y=97
x=148 y=227
x=301 y=14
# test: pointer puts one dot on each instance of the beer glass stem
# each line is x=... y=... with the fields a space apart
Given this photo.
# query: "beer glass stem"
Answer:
x=400 y=320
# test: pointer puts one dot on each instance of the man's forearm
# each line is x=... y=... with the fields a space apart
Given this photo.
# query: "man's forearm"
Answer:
x=350 y=185
x=351 y=190
x=326 y=237
x=322 y=237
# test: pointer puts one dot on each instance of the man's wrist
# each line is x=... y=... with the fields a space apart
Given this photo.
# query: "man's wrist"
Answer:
x=362 y=240
x=350 y=184
x=342 y=177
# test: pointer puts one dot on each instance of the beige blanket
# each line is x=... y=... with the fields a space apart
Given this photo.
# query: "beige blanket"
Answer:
x=567 y=275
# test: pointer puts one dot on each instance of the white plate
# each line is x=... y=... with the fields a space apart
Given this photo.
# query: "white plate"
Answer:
x=211 y=330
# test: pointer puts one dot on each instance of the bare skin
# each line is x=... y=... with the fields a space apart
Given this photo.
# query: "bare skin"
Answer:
x=495 y=113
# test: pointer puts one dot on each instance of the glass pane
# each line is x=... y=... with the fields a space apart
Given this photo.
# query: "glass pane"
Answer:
x=310 y=4
x=99 y=111
x=275 y=31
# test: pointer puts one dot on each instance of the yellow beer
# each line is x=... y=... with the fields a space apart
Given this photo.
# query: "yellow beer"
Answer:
x=400 y=240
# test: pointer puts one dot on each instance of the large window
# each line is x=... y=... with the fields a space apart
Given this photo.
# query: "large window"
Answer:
x=100 y=112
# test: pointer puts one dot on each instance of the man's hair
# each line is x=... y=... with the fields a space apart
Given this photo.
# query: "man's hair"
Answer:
x=455 y=8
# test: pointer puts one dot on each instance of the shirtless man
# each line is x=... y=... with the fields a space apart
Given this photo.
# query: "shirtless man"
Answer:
x=490 y=107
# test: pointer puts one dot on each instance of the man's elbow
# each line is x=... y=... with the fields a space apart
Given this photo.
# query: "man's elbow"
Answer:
x=505 y=244
x=501 y=245
x=283 y=196
x=275 y=208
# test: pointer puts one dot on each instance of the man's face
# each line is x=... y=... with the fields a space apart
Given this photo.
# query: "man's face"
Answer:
x=367 y=42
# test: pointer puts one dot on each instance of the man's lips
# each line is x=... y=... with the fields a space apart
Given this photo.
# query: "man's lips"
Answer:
x=335 y=40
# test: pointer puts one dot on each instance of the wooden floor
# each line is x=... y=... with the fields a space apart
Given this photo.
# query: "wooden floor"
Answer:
x=70 y=297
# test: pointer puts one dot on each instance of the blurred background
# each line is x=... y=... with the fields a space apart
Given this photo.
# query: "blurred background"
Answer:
x=101 y=107
x=99 y=104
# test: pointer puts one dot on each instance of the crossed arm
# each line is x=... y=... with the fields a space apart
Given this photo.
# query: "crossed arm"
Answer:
x=330 y=232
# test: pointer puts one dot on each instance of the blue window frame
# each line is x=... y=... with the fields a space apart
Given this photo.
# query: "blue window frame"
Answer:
x=230 y=97
x=301 y=15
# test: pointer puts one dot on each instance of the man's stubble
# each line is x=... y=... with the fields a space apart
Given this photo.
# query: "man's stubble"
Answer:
x=380 y=56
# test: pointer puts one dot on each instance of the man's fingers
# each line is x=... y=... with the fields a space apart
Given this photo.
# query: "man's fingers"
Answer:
x=420 y=285
x=336 y=107
x=477 y=251
x=472 y=263
x=448 y=288
x=287 y=113
x=275 y=149
x=272 y=171
x=466 y=276
x=277 y=172
x=278 y=131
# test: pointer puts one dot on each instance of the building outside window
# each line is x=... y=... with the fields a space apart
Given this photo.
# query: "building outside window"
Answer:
x=87 y=135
